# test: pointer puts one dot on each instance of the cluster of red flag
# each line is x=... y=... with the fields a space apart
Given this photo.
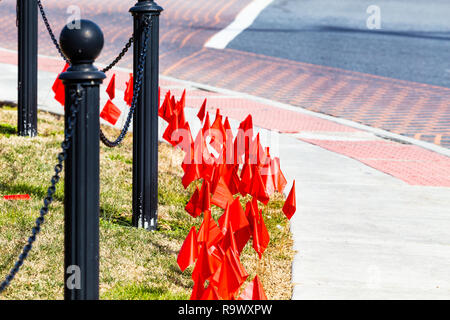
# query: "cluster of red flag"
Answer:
x=110 y=111
x=228 y=165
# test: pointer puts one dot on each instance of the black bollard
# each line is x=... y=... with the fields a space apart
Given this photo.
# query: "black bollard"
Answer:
x=145 y=121
x=82 y=80
x=27 y=12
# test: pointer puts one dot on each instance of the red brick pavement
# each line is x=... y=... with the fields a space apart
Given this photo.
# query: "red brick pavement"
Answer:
x=407 y=108
x=412 y=164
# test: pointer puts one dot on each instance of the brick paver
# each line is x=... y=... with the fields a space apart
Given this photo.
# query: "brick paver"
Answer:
x=411 y=109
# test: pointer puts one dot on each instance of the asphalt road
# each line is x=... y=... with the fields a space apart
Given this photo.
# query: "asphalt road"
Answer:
x=412 y=44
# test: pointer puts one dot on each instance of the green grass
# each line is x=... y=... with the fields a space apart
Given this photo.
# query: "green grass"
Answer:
x=134 y=263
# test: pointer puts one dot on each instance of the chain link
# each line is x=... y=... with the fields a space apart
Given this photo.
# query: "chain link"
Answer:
x=120 y=56
x=50 y=31
x=55 y=42
x=137 y=82
x=136 y=89
x=65 y=145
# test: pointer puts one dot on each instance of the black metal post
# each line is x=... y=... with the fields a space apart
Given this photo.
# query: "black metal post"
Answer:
x=145 y=121
x=81 y=203
x=27 y=13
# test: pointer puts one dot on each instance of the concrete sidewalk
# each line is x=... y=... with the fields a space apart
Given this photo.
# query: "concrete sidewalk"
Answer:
x=373 y=212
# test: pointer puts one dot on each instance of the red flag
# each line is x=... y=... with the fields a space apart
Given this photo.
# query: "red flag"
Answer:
x=255 y=153
x=290 y=206
x=181 y=104
x=110 y=113
x=210 y=293
x=203 y=267
x=171 y=128
x=202 y=111
x=228 y=156
x=258 y=188
x=197 y=149
x=231 y=178
x=242 y=144
x=170 y=109
x=189 y=250
x=222 y=195
x=217 y=133
x=128 y=95
x=247 y=124
x=227 y=126
x=197 y=290
x=181 y=117
x=192 y=173
x=278 y=178
x=17 y=197
x=261 y=236
x=58 y=87
x=111 y=89
x=192 y=206
x=165 y=111
x=267 y=175
x=234 y=219
x=229 y=241
x=232 y=275
x=251 y=212
x=209 y=233
x=237 y=216
x=246 y=179
x=254 y=291
x=207 y=124
x=187 y=143
x=194 y=168
x=205 y=197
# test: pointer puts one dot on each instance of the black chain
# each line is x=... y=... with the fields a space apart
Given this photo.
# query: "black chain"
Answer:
x=65 y=145
x=136 y=89
x=120 y=56
x=55 y=42
x=137 y=82
x=50 y=31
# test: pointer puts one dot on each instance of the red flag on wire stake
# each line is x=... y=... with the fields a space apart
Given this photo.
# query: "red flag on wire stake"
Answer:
x=17 y=197
x=111 y=89
x=110 y=113
x=290 y=206
x=232 y=275
x=202 y=111
x=278 y=178
x=58 y=88
x=189 y=251
x=128 y=94
x=254 y=291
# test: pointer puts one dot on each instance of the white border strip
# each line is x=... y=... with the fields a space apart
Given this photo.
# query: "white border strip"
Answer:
x=243 y=20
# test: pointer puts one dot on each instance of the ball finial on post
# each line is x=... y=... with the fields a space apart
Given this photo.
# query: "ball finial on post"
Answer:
x=83 y=44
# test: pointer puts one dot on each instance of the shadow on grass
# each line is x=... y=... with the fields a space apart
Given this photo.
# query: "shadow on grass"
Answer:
x=114 y=216
x=8 y=105
x=33 y=191
x=8 y=262
x=7 y=129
